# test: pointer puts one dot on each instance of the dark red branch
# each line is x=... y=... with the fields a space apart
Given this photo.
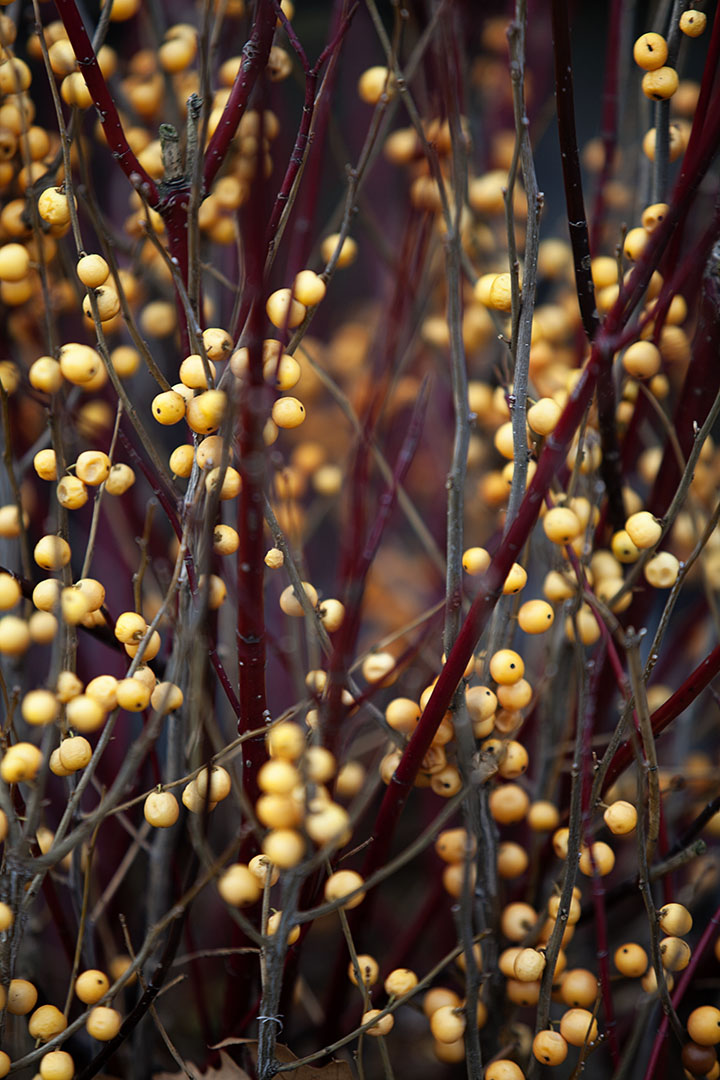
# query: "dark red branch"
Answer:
x=696 y=682
x=341 y=655
x=102 y=99
x=302 y=143
x=254 y=60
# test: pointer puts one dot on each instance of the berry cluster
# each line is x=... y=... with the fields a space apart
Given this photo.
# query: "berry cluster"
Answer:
x=383 y=680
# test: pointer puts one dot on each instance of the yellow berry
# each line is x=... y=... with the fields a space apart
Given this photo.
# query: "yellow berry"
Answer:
x=535 y=617
x=71 y=493
x=578 y=1027
x=380 y=669
x=239 y=887
x=103 y=1023
x=340 y=884
x=675 y=919
x=662 y=570
x=309 y=288
x=166 y=697
x=192 y=801
x=283 y=310
x=261 y=867
x=40 y=707
x=509 y=804
x=46 y=1022
x=383 y=1026
x=374 y=83
x=693 y=23
x=438 y=996
x=703 y=1025
x=21 y=997
x=168 y=407
x=561 y=525
x=504 y=1069
x=161 y=809
x=624 y=550
x=660 y=83
x=603 y=858
x=642 y=359
x=332 y=614
x=107 y=301
x=631 y=960
x=285 y=741
x=215 y=784
x=643 y=529
x=10 y=591
x=529 y=965
x=83 y=713
x=674 y=953
x=14 y=262
x=93 y=467
x=348 y=251
x=284 y=847
x=543 y=816
x=549 y=1047
x=369 y=970
x=288 y=412
x=57 y=1065
x=515 y=581
x=273 y=924
x=291 y=605
x=6 y=917
x=120 y=479
x=650 y=51
x=543 y=416
x=447 y=1024
x=506 y=667
x=634 y=243
x=46 y=375
x=91 y=985
x=400 y=981
x=620 y=817
x=52 y=552
x=500 y=293
x=92 y=270
x=74 y=91
x=20 y=762
x=79 y=364
x=74 y=753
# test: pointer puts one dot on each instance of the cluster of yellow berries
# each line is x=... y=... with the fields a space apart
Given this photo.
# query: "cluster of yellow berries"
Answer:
x=48 y=1021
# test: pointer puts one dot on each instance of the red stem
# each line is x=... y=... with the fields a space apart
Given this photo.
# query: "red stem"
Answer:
x=254 y=60
x=703 y=674
x=302 y=141
x=357 y=576
x=95 y=82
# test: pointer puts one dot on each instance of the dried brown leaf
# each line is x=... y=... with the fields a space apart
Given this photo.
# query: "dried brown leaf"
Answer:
x=228 y=1070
